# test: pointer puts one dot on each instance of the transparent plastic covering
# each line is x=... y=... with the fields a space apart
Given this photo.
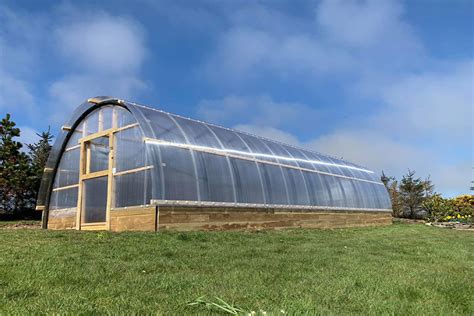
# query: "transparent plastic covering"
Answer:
x=64 y=187
x=169 y=158
x=203 y=162
x=94 y=199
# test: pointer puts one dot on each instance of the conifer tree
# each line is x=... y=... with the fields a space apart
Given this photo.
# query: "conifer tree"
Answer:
x=412 y=191
x=39 y=153
x=16 y=195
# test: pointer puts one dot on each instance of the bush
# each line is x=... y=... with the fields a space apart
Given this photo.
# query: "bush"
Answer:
x=459 y=209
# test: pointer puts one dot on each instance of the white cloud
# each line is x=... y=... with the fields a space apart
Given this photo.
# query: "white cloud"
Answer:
x=18 y=36
x=432 y=104
x=108 y=53
x=28 y=135
x=259 y=110
x=15 y=95
x=103 y=43
x=345 y=37
x=91 y=53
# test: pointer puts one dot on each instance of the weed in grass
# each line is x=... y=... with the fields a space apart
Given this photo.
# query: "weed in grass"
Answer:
x=217 y=305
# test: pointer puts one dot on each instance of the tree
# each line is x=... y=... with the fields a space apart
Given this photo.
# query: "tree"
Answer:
x=15 y=171
x=39 y=153
x=413 y=191
x=391 y=184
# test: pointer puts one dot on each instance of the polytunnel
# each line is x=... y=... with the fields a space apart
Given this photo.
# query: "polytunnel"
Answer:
x=117 y=165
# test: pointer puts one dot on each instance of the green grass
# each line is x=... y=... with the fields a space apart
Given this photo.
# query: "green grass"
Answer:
x=400 y=269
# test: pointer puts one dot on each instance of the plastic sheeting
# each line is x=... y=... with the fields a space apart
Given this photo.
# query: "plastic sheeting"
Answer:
x=189 y=160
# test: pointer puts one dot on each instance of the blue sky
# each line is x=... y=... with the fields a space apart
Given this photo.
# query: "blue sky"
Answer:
x=387 y=84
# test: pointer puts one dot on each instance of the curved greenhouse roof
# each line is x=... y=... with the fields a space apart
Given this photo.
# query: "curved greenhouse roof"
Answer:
x=163 y=158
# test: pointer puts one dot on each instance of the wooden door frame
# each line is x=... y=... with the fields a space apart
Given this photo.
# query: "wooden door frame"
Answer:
x=84 y=162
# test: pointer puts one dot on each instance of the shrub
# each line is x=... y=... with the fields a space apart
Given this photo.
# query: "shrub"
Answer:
x=459 y=209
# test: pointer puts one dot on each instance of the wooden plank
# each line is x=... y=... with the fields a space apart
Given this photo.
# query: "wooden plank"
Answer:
x=95 y=135
x=81 y=184
x=66 y=187
x=94 y=227
x=133 y=211
x=93 y=175
x=110 y=195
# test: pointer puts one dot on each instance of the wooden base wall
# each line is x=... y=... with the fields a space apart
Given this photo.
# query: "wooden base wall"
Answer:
x=192 y=218
x=184 y=218
x=61 y=223
x=133 y=219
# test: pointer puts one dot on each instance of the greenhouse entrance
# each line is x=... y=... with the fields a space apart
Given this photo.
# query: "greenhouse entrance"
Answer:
x=95 y=180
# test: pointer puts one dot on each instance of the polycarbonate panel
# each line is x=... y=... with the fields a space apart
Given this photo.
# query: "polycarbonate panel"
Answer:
x=229 y=139
x=359 y=193
x=258 y=147
x=318 y=162
x=302 y=160
x=385 y=198
x=179 y=175
x=66 y=198
x=364 y=175
x=351 y=195
x=165 y=128
x=153 y=158
x=123 y=117
x=130 y=149
x=107 y=119
x=68 y=170
x=91 y=123
x=94 y=200
x=214 y=178
x=279 y=151
x=247 y=182
x=133 y=189
x=335 y=189
x=297 y=191
x=76 y=135
x=318 y=193
x=275 y=184
x=198 y=133
x=99 y=154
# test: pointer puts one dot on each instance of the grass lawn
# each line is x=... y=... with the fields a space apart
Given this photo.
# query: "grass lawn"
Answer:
x=400 y=269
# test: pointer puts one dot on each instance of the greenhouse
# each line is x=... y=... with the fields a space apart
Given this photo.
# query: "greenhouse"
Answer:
x=117 y=165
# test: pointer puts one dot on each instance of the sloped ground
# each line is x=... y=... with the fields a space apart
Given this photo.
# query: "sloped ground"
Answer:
x=400 y=269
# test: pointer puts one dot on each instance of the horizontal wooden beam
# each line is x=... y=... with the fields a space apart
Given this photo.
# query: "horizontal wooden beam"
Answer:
x=93 y=175
x=66 y=187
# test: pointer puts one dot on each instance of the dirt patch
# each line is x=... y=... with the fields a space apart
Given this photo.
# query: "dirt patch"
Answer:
x=20 y=225
x=409 y=221
x=453 y=225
